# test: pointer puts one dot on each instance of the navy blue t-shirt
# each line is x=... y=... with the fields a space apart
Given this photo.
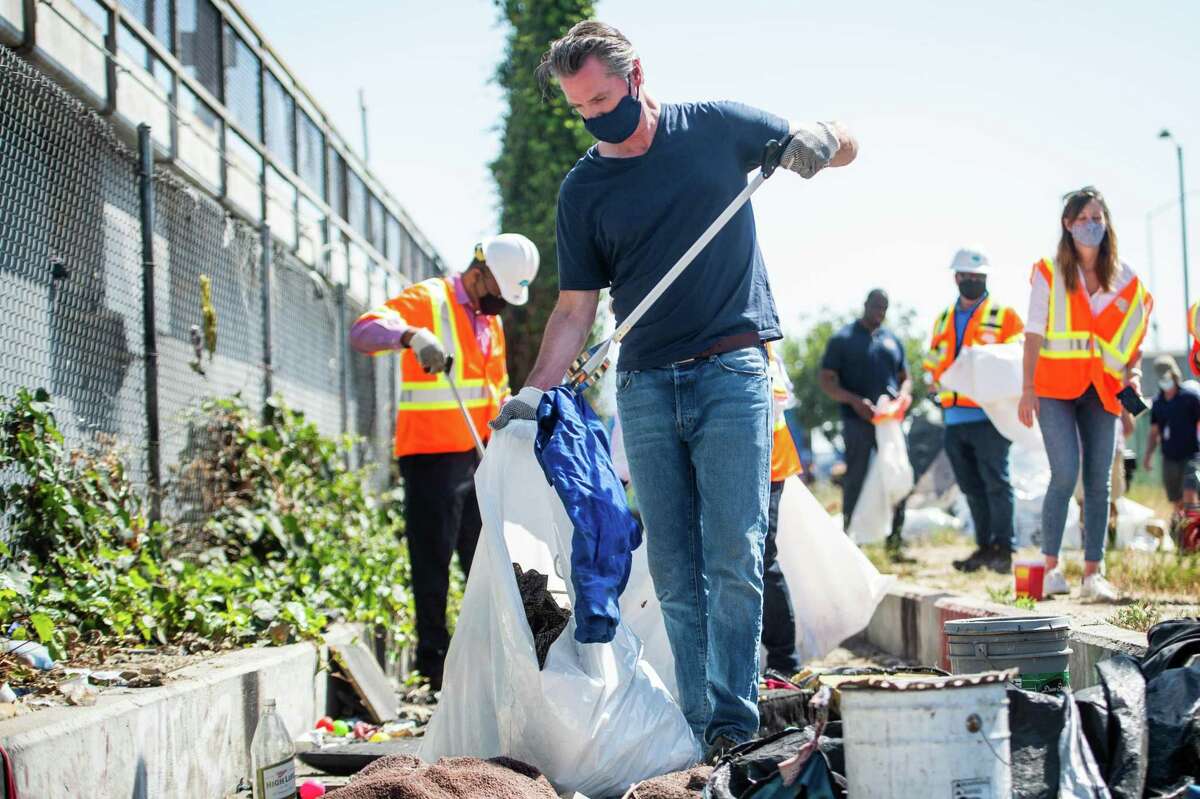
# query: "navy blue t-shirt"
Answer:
x=624 y=222
x=867 y=364
x=1176 y=419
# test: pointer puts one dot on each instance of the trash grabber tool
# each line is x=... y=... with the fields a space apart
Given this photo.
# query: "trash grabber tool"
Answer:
x=463 y=408
x=582 y=377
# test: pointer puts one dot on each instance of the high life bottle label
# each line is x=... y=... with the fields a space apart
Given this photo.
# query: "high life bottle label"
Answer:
x=277 y=781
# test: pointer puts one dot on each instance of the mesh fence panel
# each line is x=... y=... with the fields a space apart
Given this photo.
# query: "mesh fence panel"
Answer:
x=305 y=342
x=70 y=264
x=198 y=243
x=71 y=293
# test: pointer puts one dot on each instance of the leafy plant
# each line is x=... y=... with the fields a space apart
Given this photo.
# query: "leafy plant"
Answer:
x=286 y=538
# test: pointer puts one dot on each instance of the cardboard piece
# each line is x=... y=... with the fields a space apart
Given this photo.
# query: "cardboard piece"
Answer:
x=367 y=679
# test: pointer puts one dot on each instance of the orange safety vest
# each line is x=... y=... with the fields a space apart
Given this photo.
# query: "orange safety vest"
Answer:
x=990 y=323
x=1194 y=329
x=785 y=459
x=428 y=419
x=1081 y=350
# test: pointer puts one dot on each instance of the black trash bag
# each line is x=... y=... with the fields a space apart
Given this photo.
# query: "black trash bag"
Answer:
x=1170 y=644
x=1173 y=719
x=750 y=767
x=1036 y=721
x=1127 y=745
x=546 y=619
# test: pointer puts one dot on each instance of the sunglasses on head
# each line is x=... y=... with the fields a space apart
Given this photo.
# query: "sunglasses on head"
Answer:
x=1087 y=191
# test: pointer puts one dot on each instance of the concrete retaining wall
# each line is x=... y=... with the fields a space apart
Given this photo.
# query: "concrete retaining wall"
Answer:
x=909 y=623
x=190 y=738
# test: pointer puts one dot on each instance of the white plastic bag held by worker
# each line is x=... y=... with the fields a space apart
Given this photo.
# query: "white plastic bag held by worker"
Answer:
x=597 y=717
x=889 y=477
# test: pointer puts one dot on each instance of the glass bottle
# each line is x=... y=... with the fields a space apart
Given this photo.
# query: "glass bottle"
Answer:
x=272 y=756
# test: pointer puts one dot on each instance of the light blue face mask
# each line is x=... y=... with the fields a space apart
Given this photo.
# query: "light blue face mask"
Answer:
x=1088 y=233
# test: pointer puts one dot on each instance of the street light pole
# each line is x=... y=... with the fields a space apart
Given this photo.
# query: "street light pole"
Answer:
x=1187 y=294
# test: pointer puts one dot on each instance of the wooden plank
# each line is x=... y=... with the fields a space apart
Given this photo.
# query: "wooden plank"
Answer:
x=368 y=680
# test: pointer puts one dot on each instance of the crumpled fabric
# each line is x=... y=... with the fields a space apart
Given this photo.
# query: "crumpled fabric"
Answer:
x=406 y=777
x=573 y=450
x=1170 y=644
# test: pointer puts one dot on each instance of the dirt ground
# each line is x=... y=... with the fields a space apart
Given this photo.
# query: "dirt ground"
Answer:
x=933 y=569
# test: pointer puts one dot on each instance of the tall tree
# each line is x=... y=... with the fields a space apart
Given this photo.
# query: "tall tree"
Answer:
x=543 y=138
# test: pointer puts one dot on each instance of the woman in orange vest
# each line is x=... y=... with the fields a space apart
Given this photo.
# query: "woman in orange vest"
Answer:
x=1193 y=322
x=446 y=329
x=1088 y=314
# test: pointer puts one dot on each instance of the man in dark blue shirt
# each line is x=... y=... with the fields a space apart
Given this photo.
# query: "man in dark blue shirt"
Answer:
x=692 y=386
x=863 y=362
x=1173 y=421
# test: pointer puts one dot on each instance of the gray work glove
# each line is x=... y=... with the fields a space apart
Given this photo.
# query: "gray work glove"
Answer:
x=812 y=147
x=428 y=350
x=522 y=406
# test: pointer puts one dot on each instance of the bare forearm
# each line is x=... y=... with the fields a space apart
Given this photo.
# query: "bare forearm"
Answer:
x=566 y=332
x=829 y=384
x=1033 y=349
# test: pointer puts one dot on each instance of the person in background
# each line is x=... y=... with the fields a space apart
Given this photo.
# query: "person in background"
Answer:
x=1193 y=324
x=977 y=451
x=446 y=327
x=863 y=362
x=1174 y=417
x=1088 y=315
x=779 y=620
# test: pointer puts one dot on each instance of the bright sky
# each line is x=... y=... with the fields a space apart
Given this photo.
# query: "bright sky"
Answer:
x=973 y=119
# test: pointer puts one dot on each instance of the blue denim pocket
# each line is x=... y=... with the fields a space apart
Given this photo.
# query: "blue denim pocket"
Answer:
x=748 y=361
x=624 y=380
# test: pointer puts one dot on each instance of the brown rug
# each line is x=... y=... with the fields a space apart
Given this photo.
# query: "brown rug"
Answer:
x=407 y=777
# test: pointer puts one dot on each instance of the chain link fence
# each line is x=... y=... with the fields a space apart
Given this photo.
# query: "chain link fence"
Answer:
x=71 y=296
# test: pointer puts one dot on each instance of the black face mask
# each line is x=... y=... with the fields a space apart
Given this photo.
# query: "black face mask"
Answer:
x=491 y=305
x=972 y=288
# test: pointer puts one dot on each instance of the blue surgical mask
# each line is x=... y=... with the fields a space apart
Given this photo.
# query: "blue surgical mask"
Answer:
x=1088 y=233
x=618 y=124
x=1167 y=383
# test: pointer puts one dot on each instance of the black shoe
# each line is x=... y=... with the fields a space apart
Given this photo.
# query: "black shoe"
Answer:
x=973 y=562
x=718 y=749
x=897 y=556
x=1000 y=561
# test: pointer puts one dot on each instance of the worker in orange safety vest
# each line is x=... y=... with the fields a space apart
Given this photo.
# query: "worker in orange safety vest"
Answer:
x=978 y=453
x=450 y=338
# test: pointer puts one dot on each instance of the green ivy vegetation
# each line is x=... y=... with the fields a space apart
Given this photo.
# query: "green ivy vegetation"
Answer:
x=287 y=538
x=542 y=138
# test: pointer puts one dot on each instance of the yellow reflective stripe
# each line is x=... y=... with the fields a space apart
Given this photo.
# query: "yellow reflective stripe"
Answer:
x=1194 y=321
x=439 y=393
x=441 y=405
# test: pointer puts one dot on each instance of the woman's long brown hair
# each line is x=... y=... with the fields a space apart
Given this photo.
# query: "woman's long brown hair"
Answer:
x=1067 y=258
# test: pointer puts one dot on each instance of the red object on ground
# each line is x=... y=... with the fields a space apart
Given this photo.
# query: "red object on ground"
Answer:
x=324 y=723
x=311 y=789
x=1029 y=576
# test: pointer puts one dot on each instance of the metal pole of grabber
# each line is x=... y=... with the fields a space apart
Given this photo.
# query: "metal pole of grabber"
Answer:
x=463 y=408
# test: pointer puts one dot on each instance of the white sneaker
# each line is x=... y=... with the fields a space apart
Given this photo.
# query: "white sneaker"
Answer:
x=1055 y=582
x=1099 y=588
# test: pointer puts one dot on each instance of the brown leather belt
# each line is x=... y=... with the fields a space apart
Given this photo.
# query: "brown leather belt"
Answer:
x=728 y=344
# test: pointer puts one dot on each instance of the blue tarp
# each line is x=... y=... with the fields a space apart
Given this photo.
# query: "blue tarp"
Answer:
x=572 y=447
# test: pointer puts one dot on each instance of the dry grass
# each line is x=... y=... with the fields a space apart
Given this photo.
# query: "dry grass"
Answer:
x=1151 y=574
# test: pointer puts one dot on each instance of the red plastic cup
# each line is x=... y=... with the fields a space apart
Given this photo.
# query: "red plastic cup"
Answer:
x=1028 y=576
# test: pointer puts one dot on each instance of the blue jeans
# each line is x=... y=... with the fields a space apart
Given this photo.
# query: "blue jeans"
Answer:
x=979 y=456
x=698 y=440
x=1069 y=426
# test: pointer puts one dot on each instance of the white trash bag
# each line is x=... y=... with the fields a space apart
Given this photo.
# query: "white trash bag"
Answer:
x=834 y=587
x=889 y=477
x=598 y=717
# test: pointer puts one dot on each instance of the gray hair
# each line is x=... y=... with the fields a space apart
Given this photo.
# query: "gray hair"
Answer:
x=590 y=37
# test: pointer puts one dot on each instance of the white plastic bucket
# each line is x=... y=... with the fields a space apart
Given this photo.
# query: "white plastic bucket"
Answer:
x=946 y=737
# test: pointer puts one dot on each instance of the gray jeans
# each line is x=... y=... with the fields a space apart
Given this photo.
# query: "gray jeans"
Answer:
x=1072 y=428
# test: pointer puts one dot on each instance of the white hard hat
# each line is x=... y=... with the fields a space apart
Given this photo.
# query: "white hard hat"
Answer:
x=972 y=260
x=513 y=261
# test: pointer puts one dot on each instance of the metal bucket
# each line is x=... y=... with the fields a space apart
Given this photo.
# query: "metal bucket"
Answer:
x=1036 y=646
x=943 y=737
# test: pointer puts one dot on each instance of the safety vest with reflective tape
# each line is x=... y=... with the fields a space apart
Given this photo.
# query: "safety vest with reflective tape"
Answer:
x=785 y=459
x=428 y=419
x=1194 y=329
x=1081 y=350
x=990 y=323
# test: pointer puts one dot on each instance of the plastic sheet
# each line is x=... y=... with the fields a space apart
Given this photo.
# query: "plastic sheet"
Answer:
x=889 y=477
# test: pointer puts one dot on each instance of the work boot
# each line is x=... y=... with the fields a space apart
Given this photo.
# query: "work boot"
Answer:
x=1000 y=561
x=718 y=749
x=973 y=562
x=896 y=555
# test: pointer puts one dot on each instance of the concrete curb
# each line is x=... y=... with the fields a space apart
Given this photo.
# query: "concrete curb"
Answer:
x=188 y=738
x=910 y=619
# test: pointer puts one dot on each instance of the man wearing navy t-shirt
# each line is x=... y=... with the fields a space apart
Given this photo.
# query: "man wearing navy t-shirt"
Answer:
x=692 y=387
